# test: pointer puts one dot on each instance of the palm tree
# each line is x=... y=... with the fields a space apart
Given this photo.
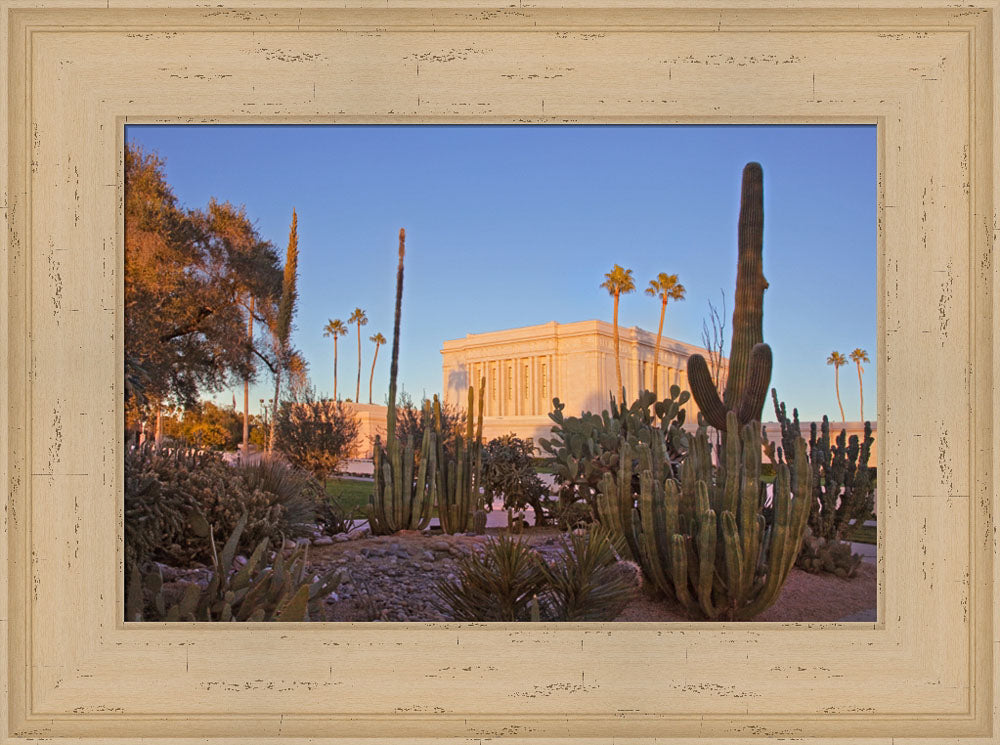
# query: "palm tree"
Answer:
x=860 y=356
x=618 y=282
x=335 y=329
x=667 y=288
x=837 y=360
x=358 y=318
x=379 y=341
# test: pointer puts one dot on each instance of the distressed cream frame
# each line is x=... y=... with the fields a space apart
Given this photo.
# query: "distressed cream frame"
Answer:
x=78 y=70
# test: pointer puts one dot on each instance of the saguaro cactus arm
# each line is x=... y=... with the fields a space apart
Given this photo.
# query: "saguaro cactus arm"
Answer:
x=749 y=358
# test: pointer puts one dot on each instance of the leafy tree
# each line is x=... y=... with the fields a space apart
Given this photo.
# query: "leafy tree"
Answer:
x=315 y=434
x=358 y=318
x=335 y=328
x=209 y=426
x=859 y=356
x=379 y=341
x=256 y=280
x=837 y=360
x=190 y=277
x=618 y=282
x=667 y=288
x=508 y=472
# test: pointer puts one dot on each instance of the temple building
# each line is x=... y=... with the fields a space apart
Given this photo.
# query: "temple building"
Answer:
x=525 y=368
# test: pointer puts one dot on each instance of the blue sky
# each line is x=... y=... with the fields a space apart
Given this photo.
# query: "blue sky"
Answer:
x=516 y=225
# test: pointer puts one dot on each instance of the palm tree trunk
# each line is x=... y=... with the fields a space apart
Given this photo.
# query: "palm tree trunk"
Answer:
x=836 y=382
x=861 y=390
x=274 y=408
x=159 y=423
x=618 y=360
x=357 y=390
x=656 y=352
x=246 y=392
x=372 y=376
x=335 y=369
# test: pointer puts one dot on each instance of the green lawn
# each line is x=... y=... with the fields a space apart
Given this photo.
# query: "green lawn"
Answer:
x=351 y=493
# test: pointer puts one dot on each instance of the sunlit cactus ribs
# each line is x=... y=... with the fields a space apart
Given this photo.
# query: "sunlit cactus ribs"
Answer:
x=703 y=538
x=398 y=500
x=458 y=476
x=749 y=369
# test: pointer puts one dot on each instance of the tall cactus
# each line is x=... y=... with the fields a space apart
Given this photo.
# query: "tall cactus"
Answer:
x=749 y=372
x=704 y=539
x=398 y=501
x=458 y=478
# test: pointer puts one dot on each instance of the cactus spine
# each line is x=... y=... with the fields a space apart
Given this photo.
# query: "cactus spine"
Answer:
x=704 y=539
x=398 y=502
x=458 y=477
x=750 y=361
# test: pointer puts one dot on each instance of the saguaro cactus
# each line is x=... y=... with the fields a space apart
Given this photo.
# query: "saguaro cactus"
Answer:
x=750 y=358
x=398 y=502
x=704 y=539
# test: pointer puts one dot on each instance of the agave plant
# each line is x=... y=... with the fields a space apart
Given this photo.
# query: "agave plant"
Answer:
x=279 y=592
x=510 y=581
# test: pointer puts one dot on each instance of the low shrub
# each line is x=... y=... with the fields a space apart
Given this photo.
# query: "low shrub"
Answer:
x=164 y=486
x=508 y=471
x=315 y=434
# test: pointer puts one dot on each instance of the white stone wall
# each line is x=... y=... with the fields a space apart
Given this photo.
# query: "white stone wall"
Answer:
x=526 y=367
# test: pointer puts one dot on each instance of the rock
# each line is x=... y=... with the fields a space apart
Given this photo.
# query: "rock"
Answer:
x=240 y=560
x=288 y=544
x=341 y=538
x=324 y=540
x=428 y=555
x=440 y=545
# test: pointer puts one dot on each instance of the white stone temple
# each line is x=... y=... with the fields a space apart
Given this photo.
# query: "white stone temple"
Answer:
x=525 y=368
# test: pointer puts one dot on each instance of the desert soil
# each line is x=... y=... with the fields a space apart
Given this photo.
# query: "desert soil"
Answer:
x=390 y=578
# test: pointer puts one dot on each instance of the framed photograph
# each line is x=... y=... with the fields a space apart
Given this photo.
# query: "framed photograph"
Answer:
x=89 y=654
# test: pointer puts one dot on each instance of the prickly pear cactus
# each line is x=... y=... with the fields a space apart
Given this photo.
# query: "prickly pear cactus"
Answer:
x=586 y=447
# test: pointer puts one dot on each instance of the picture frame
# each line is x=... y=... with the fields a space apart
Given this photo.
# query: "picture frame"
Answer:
x=78 y=71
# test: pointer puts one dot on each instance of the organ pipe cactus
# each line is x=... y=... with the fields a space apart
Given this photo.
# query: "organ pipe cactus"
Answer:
x=398 y=501
x=843 y=484
x=749 y=372
x=704 y=538
x=458 y=479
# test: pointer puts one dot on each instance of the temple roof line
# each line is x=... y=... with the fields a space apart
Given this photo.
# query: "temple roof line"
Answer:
x=567 y=330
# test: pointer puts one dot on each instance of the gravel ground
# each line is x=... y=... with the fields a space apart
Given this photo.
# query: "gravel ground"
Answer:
x=390 y=578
